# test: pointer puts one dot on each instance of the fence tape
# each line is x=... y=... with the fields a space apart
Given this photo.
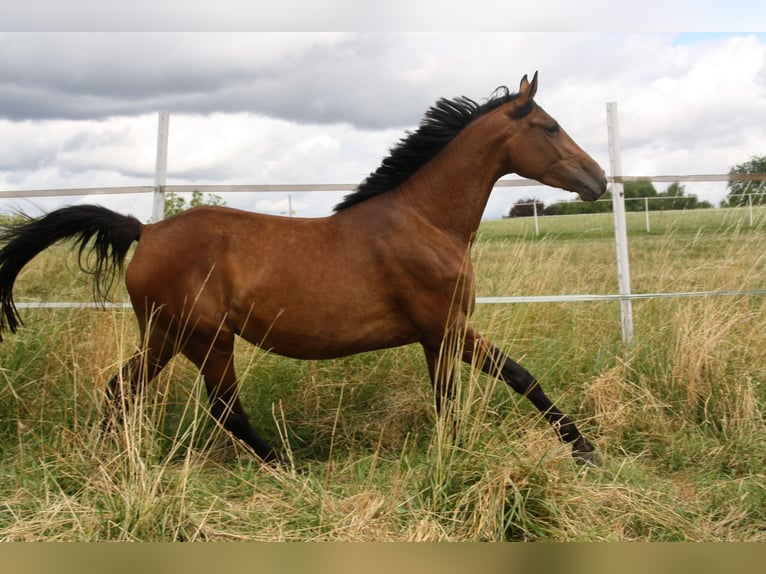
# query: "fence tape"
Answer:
x=611 y=297
x=479 y=300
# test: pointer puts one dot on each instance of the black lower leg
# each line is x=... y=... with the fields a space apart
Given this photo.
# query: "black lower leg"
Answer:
x=116 y=396
x=110 y=413
x=521 y=381
x=234 y=420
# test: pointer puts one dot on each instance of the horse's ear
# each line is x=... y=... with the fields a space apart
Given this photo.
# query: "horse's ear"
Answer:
x=528 y=89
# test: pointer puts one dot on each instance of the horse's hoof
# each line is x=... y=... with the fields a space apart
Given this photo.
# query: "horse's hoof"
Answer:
x=276 y=461
x=585 y=453
x=587 y=457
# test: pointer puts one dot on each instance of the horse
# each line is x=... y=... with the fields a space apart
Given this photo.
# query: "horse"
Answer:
x=389 y=267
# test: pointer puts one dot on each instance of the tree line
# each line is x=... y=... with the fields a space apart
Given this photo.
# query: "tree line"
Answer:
x=673 y=198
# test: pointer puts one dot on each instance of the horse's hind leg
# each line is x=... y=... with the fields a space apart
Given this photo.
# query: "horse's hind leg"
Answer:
x=441 y=371
x=216 y=362
x=135 y=373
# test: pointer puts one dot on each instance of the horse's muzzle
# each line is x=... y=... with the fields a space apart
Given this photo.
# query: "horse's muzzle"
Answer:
x=592 y=187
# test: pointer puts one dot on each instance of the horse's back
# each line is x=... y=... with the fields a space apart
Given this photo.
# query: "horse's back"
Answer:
x=286 y=283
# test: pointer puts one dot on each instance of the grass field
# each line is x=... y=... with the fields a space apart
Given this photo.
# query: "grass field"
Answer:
x=678 y=417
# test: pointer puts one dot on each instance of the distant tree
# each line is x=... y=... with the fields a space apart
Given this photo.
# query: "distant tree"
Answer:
x=632 y=190
x=675 y=189
x=526 y=208
x=174 y=203
x=576 y=206
x=738 y=190
x=680 y=200
x=635 y=190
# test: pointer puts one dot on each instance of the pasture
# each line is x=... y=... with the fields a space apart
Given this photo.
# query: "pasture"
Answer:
x=678 y=418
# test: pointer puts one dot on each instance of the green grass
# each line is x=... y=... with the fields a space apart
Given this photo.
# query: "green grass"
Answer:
x=601 y=225
x=678 y=418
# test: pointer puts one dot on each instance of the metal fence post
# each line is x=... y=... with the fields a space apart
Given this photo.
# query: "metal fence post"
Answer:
x=646 y=211
x=161 y=167
x=620 y=226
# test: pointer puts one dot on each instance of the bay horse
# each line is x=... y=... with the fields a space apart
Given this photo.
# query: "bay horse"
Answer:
x=390 y=267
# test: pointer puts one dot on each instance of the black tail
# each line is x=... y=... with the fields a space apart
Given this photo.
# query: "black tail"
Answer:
x=112 y=234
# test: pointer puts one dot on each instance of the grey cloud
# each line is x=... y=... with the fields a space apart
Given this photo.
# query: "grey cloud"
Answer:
x=317 y=78
x=287 y=91
x=371 y=81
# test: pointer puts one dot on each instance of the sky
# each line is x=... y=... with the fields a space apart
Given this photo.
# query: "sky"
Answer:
x=79 y=99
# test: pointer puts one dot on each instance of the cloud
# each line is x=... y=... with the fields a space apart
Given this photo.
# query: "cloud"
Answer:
x=361 y=79
x=79 y=110
x=391 y=16
x=97 y=75
x=315 y=78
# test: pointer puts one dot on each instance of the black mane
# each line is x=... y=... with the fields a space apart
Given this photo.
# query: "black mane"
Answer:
x=438 y=127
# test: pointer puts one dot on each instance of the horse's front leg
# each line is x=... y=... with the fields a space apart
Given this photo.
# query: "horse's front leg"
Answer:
x=494 y=362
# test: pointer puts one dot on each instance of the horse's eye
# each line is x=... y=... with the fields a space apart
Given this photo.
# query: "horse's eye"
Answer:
x=552 y=129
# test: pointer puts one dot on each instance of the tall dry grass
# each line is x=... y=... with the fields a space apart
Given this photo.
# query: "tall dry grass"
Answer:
x=678 y=419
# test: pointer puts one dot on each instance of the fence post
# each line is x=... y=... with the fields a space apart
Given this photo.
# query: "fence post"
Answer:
x=161 y=167
x=620 y=226
x=646 y=211
x=537 y=226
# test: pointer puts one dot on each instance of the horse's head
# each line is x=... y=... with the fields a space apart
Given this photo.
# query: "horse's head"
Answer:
x=540 y=149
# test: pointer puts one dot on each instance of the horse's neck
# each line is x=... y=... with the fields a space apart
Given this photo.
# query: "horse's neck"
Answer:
x=452 y=190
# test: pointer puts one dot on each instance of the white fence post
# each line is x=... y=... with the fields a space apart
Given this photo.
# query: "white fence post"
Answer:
x=161 y=167
x=620 y=226
x=646 y=211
